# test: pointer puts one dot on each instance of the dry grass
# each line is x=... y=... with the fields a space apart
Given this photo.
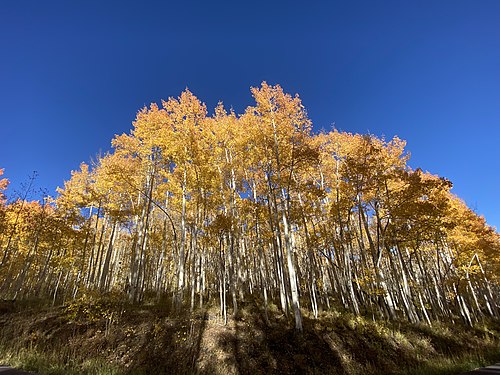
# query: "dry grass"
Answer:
x=110 y=337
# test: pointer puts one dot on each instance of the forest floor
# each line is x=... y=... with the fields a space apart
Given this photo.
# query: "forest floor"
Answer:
x=106 y=336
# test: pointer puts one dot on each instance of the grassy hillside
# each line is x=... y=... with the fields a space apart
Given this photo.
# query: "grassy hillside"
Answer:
x=107 y=336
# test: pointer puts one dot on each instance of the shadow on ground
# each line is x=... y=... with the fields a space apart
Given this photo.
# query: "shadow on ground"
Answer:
x=153 y=340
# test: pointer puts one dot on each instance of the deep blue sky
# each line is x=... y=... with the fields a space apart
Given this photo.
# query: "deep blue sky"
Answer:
x=74 y=73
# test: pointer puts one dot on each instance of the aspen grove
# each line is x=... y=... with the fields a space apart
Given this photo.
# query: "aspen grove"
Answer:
x=195 y=209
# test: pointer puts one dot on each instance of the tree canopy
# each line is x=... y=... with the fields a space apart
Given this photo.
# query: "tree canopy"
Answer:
x=201 y=208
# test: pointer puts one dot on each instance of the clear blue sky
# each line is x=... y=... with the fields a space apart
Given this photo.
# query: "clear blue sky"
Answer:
x=74 y=73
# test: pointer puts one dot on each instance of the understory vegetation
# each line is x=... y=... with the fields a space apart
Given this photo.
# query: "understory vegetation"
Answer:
x=108 y=336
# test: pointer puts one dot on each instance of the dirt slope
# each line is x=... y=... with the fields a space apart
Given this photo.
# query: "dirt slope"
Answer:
x=112 y=338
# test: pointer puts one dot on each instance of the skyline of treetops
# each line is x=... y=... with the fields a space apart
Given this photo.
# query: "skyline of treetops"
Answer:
x=197 y=209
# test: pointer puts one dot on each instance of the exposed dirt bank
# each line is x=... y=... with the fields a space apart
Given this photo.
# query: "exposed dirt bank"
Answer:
x=106 y=337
